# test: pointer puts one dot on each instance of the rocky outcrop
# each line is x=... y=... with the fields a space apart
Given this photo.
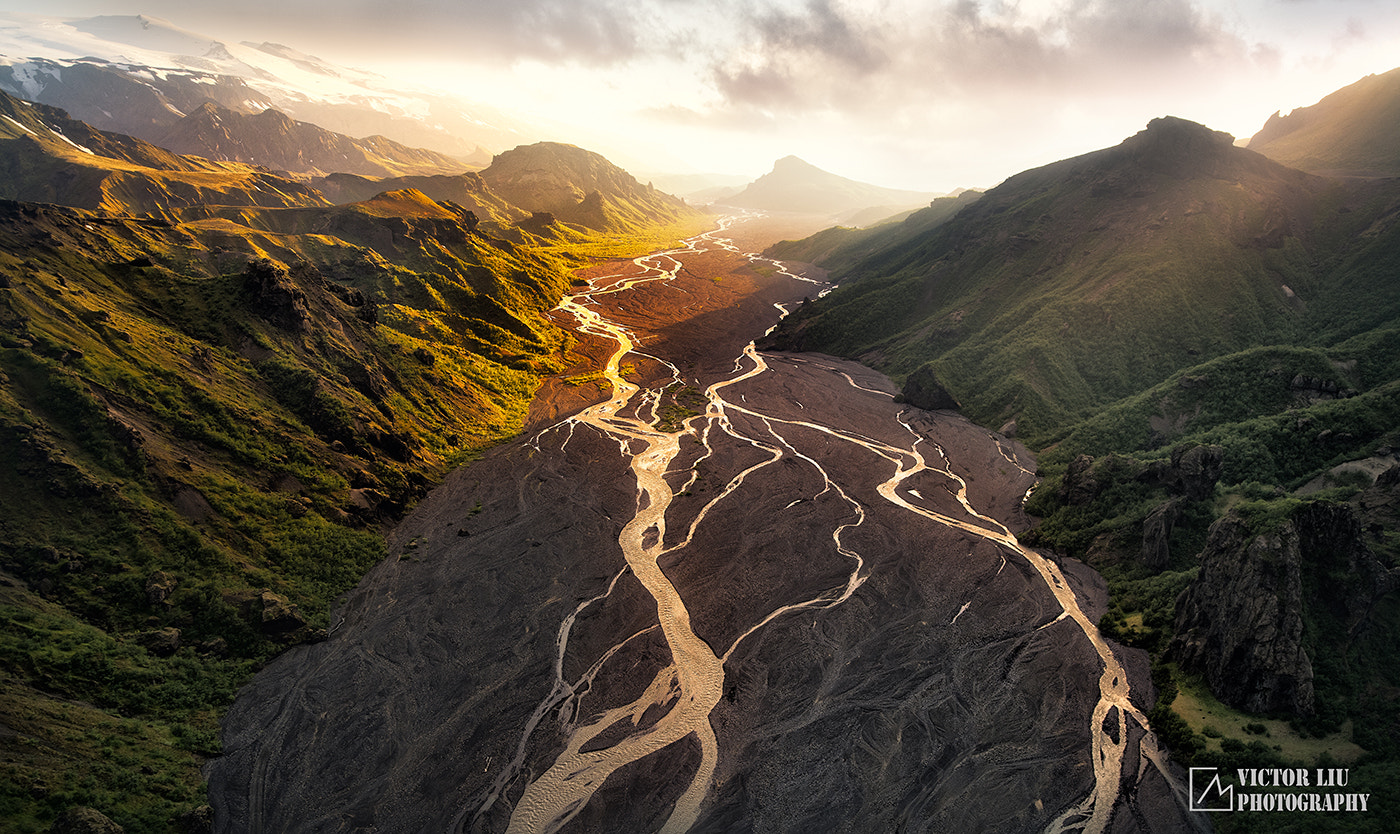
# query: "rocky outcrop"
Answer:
x=1310 y=389
x=1157 y=533
x=1079 y=485
x=1240 y=623
x=1192 y=471
x=923 y=390
x=1342 y=578
x=275 y=296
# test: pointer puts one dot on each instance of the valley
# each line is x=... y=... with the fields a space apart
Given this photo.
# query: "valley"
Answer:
x=374 y=462
x=610 y=624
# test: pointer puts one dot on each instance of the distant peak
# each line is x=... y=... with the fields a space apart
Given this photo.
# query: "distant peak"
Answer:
x=792 y=163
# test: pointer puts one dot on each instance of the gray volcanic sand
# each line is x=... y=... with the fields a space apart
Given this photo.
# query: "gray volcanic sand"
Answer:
x=943 y=695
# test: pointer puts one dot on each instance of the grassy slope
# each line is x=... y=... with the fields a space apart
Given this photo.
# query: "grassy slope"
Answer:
x=1351 y=131
x=212 y=413
x=1072 y=286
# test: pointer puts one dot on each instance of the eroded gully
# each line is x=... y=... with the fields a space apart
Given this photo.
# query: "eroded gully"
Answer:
x=679 y=701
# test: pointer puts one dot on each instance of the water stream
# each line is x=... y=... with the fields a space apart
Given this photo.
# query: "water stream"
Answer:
x=685 y=692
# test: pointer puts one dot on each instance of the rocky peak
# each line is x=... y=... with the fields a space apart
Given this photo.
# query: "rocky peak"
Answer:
x=793 y=165
x=1177 y=145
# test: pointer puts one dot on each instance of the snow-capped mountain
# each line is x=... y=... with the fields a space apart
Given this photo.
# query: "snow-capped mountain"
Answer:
x=139 y=75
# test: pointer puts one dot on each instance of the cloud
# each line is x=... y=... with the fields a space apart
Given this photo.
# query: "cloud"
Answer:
x=829 y=54
x=588 y=32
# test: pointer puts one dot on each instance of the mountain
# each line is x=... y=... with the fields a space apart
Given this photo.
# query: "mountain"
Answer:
x=1350 y=132
x=51 y=158
x=796 y=186
x=574 y=185
x=273 y=140
x=1071 y=286
x=139 y=75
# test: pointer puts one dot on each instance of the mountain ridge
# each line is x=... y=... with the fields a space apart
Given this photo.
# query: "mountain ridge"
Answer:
x=1349 y=132
x=274 y=140
x=1064 y=242
x=123 y=80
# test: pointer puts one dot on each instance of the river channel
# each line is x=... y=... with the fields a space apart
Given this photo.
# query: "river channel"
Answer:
x=733 y=591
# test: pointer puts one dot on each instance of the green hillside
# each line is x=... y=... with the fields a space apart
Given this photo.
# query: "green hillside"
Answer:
x=1072 y=286
x=1204 y=347
x=1350 y=132
x=211 y=410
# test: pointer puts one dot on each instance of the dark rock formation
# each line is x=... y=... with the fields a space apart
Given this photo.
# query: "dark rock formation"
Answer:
x=1157 y=533
x=1195 y=469
x=923 y=390
x=199 y=820
x=275 y=296
x=1079 y=485
x=1241 y=621
x=1342 y=579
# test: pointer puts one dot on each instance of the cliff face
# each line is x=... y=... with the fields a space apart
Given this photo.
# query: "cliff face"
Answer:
x=1242 y=621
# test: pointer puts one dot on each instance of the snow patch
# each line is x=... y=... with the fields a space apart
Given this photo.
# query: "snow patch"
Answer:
x=20 y=126
x=32 y=79
x=55 y=132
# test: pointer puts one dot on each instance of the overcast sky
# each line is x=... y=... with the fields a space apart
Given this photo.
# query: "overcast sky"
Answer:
x=926 y=94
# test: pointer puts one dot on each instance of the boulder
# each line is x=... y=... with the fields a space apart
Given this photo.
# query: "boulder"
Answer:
x=159 y=586
x=197 y=820
x=83 y=820
x=162 y=642
x=278 y=617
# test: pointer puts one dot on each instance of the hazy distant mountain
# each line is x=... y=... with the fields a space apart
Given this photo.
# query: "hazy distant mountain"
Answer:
x=1351 y=132
x=140 y=75
x=797 y=186
x=274 y=140
x=698 y=188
